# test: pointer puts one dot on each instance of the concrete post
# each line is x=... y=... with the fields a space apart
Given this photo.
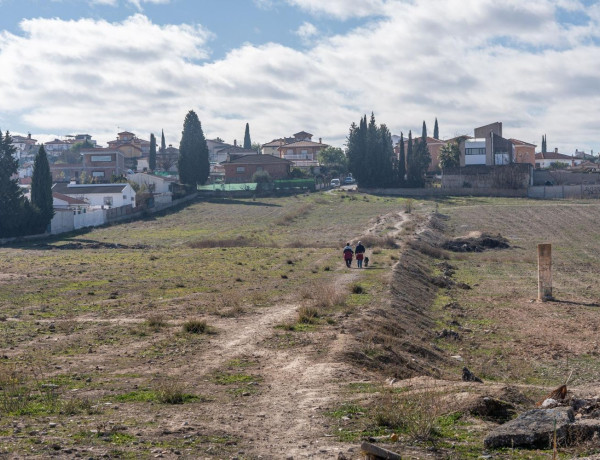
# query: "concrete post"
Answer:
x=544 y=272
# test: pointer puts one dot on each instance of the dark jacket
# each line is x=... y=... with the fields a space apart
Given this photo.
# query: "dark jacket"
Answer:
x=360 y=249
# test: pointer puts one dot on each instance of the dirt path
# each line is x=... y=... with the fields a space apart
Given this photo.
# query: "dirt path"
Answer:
x=285 y=418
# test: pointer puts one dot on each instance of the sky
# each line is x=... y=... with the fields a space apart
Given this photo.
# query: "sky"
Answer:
x=284 y=66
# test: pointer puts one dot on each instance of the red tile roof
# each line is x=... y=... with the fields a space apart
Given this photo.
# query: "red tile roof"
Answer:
x=256 y=159
x=552 y=156
x=303 y=144
x=518 y=142
x=67 y=199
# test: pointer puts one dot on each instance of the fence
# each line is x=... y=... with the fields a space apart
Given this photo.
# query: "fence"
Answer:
x=573 y=192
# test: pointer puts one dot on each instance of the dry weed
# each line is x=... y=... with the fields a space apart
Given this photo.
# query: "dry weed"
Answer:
x=383 y=242
x=195 y=326
x=414 y=413
x=327 y=296
x=308 y=315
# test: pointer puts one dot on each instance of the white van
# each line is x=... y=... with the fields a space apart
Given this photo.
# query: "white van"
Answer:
x=334 y=183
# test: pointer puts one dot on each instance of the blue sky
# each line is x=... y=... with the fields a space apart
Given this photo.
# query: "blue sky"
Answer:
x=233 y=22
x=97 y=66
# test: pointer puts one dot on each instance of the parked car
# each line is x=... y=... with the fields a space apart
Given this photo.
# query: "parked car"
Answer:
x=334 y=183
x=349 y=180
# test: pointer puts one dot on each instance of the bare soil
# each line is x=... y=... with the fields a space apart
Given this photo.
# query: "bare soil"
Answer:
x=264 y=384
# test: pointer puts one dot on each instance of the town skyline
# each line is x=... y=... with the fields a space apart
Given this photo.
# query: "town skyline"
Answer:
x=103 y=66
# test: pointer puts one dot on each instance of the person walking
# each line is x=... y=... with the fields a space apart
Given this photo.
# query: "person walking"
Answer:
x=360 y=254
x=348 y=252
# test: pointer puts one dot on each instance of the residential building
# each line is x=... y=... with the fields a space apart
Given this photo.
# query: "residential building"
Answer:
x=154 y=184
x=98 y=164
x=474 y=152
x=131 y=147
x=98 y=195
x=76 y=138
x=299 y=149
x=524 y=152
x=61 y=201
x=214 y=146
x=272 y=148
x=56 y=147
x=433 y=145
x=222 y=154
x=548 y=159
x=241 y=168
x=487 y=147
x=25 y=145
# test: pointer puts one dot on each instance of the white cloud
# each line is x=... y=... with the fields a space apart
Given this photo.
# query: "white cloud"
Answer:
x=137 y=3
x=104 y=2
x=306 y=31
x=470 y=63
x=342 y=9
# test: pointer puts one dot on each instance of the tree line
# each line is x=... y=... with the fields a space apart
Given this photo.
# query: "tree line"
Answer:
x=373 y=162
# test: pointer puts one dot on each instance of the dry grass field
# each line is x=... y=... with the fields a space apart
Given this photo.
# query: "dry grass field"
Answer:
x=232 y=329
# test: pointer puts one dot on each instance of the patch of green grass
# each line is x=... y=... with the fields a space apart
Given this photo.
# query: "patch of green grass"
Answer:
x=120 y=438
x=147 y=395
x=346 y=410
x=363 y=387
x=233 y=379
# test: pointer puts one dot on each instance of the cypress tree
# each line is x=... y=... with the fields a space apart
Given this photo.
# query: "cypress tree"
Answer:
x=436 y=130
x=544 y=146
x=193 y=165
x=163 y=145
x=401 y=174
x=386 y=173
x=41 y=189
x=409 y=159
x=152 y=157
x=247 y=141
x=12 y=203
x=424 y=133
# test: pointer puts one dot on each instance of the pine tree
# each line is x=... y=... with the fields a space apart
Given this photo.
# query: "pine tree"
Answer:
x=401 y=170
x=163 y=145
x=436 y=130
x=41 y=189
x=152 y=155
x=12 y=203
x=247 y=141
x=194 y=167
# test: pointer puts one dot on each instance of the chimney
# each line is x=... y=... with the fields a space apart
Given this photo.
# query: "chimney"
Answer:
x=556 y=150
x=28 y=135
x=320 y=139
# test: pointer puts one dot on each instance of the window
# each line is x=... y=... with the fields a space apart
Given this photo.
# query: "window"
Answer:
x=477 y=151
x=124 y=197
x=97 y=173
x=259 y=168
x=108 y=201
x=240 y=169
x=290 y=151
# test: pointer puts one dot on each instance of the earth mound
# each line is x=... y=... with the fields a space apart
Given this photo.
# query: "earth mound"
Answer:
x=476 y=242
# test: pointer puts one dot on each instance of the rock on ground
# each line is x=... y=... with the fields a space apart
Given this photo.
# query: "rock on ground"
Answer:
x=532 y=429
